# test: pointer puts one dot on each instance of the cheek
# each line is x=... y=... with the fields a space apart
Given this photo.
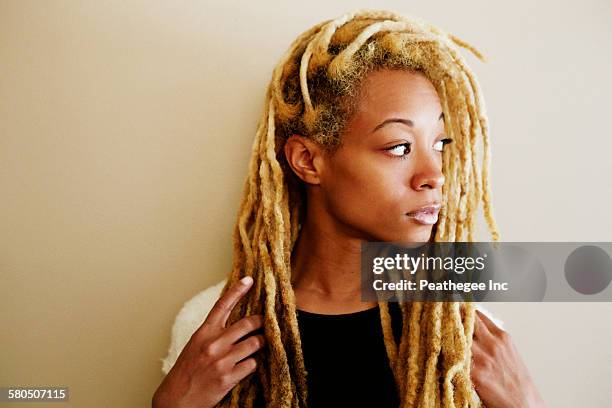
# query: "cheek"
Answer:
x=367 y=194
x=372 y=198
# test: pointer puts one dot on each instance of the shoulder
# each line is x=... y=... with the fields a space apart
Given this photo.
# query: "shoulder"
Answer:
x=187 y=321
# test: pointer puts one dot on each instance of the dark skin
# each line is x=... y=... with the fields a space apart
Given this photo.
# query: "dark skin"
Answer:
x=363 y=192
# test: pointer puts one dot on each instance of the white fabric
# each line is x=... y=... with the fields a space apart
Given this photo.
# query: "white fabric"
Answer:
x=195 y=310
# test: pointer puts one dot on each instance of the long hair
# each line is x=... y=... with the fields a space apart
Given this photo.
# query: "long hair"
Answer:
x=312 y=93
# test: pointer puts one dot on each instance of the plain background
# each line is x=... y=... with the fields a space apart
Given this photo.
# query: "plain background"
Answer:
x=125 y=132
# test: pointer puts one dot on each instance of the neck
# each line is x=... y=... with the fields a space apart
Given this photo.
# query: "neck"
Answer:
x=326 y=259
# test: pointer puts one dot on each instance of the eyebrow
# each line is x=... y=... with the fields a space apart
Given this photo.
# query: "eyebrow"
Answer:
x=406 y=122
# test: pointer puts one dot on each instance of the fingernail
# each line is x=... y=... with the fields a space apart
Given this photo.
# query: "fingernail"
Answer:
x=246 y=280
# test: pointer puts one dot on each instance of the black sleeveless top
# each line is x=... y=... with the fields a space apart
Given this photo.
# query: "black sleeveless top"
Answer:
x=346 y=359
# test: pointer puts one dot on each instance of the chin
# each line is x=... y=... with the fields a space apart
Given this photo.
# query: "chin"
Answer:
x=421 y=235
x=414 y=235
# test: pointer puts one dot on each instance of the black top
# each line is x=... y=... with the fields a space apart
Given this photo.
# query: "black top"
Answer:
x=346 y=359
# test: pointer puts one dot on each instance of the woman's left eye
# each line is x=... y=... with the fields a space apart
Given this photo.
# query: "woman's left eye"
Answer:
x=440 y=144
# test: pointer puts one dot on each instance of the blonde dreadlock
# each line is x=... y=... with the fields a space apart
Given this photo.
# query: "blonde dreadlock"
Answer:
x=313 y=93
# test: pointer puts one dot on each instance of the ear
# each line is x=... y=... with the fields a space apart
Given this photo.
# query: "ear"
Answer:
x=305 y=157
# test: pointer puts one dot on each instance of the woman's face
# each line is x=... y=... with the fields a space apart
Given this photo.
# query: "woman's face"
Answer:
x=390 y=161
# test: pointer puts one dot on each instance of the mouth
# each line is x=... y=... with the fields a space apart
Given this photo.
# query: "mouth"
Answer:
x=425 y=215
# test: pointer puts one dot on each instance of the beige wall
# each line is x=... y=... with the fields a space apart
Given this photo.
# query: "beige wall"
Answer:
x=125 y=129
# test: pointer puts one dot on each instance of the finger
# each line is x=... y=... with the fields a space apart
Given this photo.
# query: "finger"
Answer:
x=241 y=328
x=478 y=359
x=480 y=329
x=477 y=347
x=246 y=347
x=478 y=372
x=491 y=327
x=244 y=368
x=223 y=306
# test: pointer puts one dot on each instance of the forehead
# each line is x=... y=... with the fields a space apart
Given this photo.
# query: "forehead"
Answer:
x=394 y=92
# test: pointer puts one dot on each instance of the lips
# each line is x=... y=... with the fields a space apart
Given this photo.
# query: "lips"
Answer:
x=427 y=209
x=426 y=215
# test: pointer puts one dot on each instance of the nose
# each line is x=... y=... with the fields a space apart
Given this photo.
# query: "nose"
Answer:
x=428 y=173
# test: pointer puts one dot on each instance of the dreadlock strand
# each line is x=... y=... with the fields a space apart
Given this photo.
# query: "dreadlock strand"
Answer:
x=454 y=190
x=405 y=308
x=453 y=350
x=441 y=229
x=388 y=336
x=280 y=391
x=431 y=382
x=413 y=356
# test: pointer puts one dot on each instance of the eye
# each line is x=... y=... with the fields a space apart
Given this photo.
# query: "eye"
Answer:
x=400 y=150
x=442 y=143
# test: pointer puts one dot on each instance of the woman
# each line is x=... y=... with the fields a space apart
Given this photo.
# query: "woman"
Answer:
x=354 y=145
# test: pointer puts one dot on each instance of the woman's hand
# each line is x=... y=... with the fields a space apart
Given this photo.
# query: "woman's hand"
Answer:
x=499 y=375
x=210 y=364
